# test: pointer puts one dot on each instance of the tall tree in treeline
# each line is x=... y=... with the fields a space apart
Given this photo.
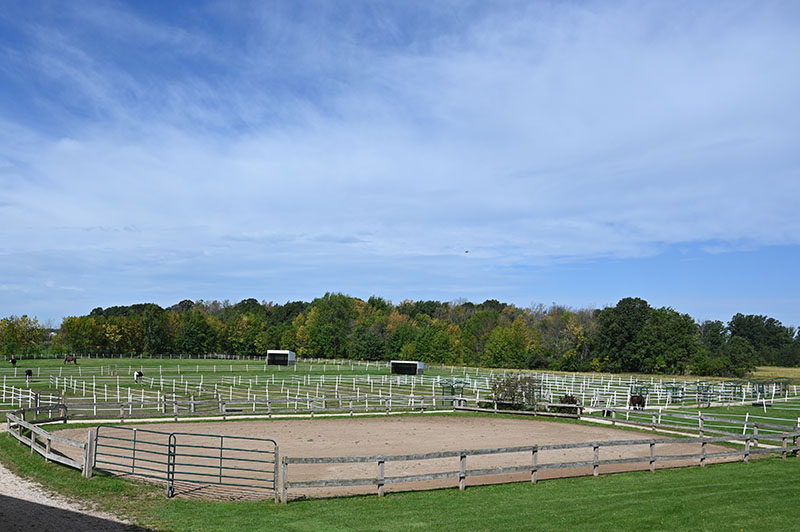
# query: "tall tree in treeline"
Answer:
x=630 y=336
x=20 y=335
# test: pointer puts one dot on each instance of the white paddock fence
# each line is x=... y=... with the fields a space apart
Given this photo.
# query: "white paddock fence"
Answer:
x=695 y=423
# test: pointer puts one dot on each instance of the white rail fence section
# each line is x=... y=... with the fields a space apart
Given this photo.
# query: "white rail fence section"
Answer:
x=244 y=379
x=697 y=423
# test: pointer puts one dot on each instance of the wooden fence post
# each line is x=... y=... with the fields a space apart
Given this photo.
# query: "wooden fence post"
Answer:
x=755 y=434
x=703 y=455
x=380 y=477
x=462 y=474
x=747 y=449
x=596 y=465
x=652 y=456
x=284 y=481
x=535 y=464
x=88 y=458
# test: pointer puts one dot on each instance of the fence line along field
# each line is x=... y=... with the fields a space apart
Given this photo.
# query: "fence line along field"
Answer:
x=339 y=455
x=562 y=450
x=103 y=387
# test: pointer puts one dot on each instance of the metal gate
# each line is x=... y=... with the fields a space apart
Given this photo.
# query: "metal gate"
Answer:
x=180 y=458
x=235 y=461
x=132 y=451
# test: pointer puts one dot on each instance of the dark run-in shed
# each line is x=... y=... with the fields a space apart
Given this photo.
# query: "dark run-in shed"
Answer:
x=280 y=357
x=407 y=367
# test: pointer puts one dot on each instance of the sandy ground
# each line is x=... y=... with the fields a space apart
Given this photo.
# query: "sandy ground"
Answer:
x=420 y=434
x=25 y=506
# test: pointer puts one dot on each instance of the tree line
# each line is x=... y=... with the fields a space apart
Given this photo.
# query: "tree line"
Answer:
x=631 y=336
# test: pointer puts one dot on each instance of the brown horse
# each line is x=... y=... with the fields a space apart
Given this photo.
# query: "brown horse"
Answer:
x=636 y=402
x=70 y=358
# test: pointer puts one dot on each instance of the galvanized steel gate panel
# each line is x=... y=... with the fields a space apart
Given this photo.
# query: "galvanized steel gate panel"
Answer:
x=235 y=461
x=179 y=457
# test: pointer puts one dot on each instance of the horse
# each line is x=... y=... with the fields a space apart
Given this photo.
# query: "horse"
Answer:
x=636 y=402
x=137 y=376
x=28 y=375
x=70 y=358
x=13 y=361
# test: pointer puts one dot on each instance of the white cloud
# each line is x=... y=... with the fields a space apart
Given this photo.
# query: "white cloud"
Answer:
x=529 y=136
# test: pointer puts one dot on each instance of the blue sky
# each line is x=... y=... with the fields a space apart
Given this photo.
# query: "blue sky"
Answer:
x=581 y=151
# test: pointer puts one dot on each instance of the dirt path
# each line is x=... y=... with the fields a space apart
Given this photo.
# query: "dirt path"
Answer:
x=25 y=506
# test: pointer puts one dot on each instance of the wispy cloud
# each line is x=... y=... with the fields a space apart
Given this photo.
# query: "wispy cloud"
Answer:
x=375 y=137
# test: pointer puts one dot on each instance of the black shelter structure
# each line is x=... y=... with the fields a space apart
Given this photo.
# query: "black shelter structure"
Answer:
x=281 y=357
x=407 y=367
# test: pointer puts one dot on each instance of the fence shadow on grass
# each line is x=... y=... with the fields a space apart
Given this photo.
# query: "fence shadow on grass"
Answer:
x=25 y=516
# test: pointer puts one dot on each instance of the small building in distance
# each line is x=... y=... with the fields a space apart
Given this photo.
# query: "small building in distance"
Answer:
x=407 y=367
x=281 y=357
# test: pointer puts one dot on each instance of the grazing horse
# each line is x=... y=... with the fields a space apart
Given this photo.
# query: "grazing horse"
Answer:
x=636 y=402
x=70 y=358
x=28 y=376
x=13 y=361
x=137 y=376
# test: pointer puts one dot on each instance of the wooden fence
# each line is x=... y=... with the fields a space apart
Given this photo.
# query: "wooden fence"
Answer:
x=380 y=480
x=39 y=440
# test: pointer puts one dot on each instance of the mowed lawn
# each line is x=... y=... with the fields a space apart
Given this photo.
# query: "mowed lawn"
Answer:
x=760 y=495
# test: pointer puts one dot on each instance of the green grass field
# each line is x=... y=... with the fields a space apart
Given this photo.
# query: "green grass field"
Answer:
x=751 y=496
x=754 y=496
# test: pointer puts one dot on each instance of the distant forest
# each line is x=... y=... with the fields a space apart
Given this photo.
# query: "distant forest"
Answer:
x=629 y=337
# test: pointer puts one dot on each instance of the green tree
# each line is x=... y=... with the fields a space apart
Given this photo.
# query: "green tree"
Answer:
x=155 y=331
x=773 y=343
x=82 y=334
x=367 y=344
x=195 y=336
x=509 y=347
x=437 y=342
x=666 y=343
x=330 y=325
x=617 y=330
x=20 y=335
x=475 y=335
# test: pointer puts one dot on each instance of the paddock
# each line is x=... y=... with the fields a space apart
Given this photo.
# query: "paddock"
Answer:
x=419 y=434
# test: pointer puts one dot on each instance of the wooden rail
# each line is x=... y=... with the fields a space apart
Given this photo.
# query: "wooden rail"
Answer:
x=18 y=427
x=380 y=480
